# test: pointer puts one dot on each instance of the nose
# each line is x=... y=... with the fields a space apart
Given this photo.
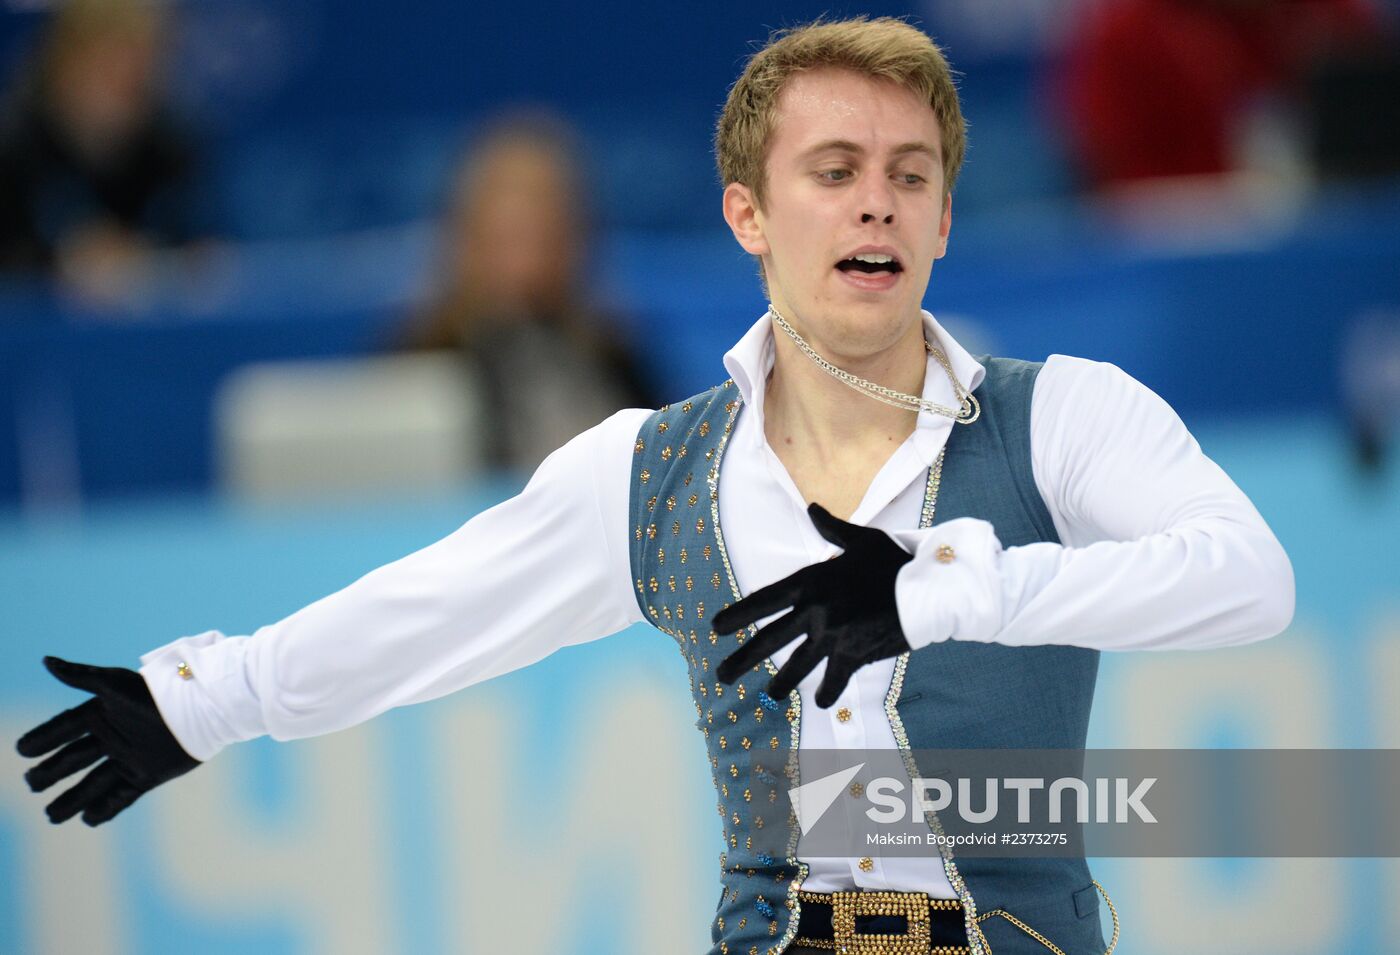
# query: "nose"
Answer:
x=876 y=202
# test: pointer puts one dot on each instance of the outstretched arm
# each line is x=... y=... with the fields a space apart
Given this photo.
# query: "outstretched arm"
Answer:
x=543 y=570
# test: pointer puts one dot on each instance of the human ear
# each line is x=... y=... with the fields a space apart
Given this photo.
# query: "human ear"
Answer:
x=745 y=219
x=944 y=225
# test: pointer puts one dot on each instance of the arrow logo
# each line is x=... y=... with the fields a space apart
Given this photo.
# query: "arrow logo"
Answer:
x=811 y=800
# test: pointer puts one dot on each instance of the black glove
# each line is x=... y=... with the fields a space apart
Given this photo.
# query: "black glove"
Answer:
x=845 y=605
x=122 y=723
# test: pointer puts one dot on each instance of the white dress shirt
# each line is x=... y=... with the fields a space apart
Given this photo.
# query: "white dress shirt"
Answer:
x=1159 y=550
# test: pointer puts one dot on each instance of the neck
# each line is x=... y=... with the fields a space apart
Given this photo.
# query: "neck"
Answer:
x=809 y=411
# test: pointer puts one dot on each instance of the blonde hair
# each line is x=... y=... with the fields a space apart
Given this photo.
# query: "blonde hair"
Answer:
x=79 y=23
x=884 y=48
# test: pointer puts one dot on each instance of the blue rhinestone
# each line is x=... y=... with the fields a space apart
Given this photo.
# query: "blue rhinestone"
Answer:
x=768 y=702
x=763 y=906
x=766 y=859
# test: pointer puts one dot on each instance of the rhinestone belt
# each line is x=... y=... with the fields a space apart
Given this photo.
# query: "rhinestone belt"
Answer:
x=864 y=923
x=893 y=923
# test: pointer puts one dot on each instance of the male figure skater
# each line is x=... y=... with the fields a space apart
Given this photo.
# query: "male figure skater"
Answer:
x=946 y=542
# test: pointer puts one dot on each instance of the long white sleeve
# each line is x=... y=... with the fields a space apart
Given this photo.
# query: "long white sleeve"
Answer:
x=543 y=570
x=1159 y=549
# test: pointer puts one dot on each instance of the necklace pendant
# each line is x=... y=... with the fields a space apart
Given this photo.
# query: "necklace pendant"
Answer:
x=967 y=412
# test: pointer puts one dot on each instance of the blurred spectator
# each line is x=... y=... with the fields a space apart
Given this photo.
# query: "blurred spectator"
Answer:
x=93 y=167
x=1371 y=386
x=1164 y=88
x=511 y=295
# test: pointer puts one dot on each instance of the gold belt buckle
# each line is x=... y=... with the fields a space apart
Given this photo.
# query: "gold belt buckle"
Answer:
x=915 y=940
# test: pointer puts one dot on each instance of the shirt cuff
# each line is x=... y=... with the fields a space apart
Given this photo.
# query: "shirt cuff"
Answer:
x=204 y=698
x=952 y=589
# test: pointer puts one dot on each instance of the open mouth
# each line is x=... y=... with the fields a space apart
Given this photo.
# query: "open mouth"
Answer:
x=871 y=263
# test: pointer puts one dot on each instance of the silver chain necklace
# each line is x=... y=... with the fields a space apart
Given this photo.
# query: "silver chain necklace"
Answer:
x=968 y=411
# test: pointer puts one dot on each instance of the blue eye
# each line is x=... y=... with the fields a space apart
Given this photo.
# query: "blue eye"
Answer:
x=912 y=179
x=828 y=175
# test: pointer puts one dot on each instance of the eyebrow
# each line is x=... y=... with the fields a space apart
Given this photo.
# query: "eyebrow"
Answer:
x=846 y=146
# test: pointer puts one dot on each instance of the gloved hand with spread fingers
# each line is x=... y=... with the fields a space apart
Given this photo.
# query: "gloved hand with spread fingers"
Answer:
x=121 y=722
x=845 y=605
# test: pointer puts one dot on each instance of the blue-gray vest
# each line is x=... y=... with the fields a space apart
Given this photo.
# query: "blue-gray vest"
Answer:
x=949 y=695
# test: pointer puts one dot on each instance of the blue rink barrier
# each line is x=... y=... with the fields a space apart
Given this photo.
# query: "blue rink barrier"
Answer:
x=1243 y=324
x=440 y=828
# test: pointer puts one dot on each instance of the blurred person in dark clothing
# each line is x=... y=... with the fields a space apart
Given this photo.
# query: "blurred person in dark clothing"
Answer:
x=93 y=167
x=1370 y=374
x=511 y=295
x=1162 y=88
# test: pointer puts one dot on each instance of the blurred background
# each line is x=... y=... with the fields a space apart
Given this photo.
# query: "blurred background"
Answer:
x=288 y=290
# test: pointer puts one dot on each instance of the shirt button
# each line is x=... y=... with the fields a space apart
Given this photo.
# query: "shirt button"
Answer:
x=944 y=554
x=184 y=671
x=844 y=714
x=867 y=865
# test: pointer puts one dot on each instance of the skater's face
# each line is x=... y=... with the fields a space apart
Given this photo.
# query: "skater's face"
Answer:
x=854 y=166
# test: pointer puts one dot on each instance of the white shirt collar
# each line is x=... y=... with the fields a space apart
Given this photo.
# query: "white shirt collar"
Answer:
x=750 y=361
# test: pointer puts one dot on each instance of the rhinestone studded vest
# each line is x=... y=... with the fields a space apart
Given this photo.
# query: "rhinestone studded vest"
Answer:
x=946 y=695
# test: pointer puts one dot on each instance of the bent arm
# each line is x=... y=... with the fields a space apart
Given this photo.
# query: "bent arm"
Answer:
x=1159 y=548
x=543 y=570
